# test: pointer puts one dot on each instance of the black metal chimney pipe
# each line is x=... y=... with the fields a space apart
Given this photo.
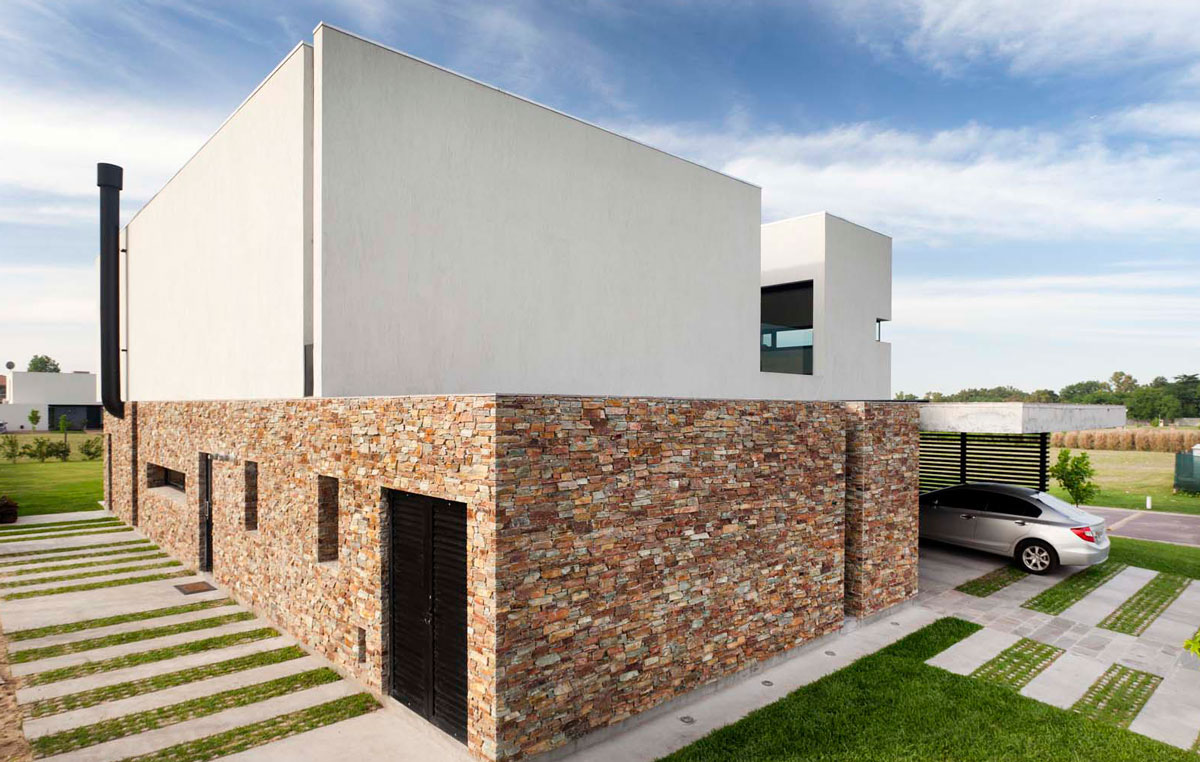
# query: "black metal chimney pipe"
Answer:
x=109 y=177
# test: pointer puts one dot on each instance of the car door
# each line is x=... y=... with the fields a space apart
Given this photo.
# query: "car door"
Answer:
x=957 y=511
x=1006 y=522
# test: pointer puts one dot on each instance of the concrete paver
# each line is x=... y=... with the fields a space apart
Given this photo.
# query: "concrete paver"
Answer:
x=93 y=604
x=1172 y=715
x=51 y=518
x=969 y=654
x=1180 y=621
x=1105 y=599
x=1065 y=681
x=117 y=629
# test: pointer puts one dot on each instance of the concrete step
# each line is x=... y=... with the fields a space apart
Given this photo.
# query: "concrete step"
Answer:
x=9 y=551
x=36 y=564
x=47 y=580
x=89 y=682
x=90 y=580
x=101 y=654
x=61 y=608
x=50 y=518
x=117 y=629
x=57 y=723
x=201 y=727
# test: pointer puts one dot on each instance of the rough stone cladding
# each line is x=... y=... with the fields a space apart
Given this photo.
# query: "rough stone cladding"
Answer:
x=440 y=446
x=119 y=464
x=650 y=546
x=882 y=515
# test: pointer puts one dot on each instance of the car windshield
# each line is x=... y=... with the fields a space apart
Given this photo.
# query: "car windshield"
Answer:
x=1065 y=508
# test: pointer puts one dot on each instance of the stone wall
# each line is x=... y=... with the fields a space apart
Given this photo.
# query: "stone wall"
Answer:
x=621 y=552
x=440 y=446
x=650 y=546
x=882 y=474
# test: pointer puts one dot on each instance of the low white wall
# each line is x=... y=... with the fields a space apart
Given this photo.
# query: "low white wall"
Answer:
x=1018 y=417
x=57 y=388
x=16 y=415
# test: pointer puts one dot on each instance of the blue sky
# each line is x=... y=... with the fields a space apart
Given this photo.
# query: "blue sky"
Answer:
x=1035 y=163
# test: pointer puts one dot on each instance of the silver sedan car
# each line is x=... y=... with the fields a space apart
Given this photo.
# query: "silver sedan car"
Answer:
x=1034 y=528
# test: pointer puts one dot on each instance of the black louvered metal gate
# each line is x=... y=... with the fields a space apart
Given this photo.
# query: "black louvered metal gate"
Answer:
x=428 y=603
x=949 y=458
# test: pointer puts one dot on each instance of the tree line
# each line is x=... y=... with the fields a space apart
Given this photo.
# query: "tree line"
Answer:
x=1159 y=399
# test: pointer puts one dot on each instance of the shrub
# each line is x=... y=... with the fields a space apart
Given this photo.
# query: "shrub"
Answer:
x=1124 y=440
x=38 y=449
x=91 y=448
x=1056 y=439
x=1144 y=440
x=1074 y=474
x=1070 y=439
x=8 y=510
x=10 y=447
x=60 y=450
x=1087 y=440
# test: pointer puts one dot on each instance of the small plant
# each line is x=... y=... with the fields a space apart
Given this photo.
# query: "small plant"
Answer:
x=1074 y=474
x=60 y=450
x=35 y=415
x=91 y=448
x=64 y=424
x=38 y=449
x=8 y=510
x=10 y=447
x=1193 y=644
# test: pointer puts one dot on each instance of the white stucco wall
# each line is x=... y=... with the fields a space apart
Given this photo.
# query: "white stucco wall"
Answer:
x=16 y=415
x=213 y=292
x=57 y=388
x=851 y=270
x=1018 y=417
x=471 y=241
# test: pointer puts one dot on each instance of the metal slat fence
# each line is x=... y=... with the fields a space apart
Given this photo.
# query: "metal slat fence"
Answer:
x=949 y=458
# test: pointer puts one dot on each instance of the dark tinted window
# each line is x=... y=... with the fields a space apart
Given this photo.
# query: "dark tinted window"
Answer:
x=1010 y=505
x=965 y=497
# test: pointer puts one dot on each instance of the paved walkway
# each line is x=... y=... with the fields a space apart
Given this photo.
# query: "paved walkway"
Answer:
x=251 y=674
x=1179 y=528
x=1172 y=713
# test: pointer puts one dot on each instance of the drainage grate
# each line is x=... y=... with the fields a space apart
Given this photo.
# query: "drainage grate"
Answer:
x=192 y=588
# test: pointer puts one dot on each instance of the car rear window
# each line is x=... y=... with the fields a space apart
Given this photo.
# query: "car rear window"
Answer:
x=1065 y=508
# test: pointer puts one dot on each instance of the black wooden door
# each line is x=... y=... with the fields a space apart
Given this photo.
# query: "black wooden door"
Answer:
x=428 y=593
x=206 y=511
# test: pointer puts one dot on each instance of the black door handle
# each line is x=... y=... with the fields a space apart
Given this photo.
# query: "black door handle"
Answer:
x=965 y=516
x=1019 y=523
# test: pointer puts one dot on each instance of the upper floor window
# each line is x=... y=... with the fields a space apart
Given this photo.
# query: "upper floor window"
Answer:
x=786 y=328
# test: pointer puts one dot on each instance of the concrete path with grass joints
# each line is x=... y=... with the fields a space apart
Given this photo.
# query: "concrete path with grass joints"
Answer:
x=1155 y=688
x=122 y=670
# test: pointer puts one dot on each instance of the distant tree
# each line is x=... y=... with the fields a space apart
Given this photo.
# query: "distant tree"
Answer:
x=935 y=396
x=994 y=394
x=34 y=416
x=1043 y=395
x=1149 y=403
x=1077 y=391
x=1186 y=389
x=60 y=450
x=1102 y=397
x=1122 y=383
x=64 y=424
x=906 y=397
x=10 y=447
x=1074 y=474
x=1159 y=382
x=43 y=364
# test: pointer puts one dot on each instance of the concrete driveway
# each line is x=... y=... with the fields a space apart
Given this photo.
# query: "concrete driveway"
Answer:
x=1178 y=528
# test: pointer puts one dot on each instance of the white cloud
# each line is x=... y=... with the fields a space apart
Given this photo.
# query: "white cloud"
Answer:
x=971 y=182
x=1092 y=36
x=1177 y=119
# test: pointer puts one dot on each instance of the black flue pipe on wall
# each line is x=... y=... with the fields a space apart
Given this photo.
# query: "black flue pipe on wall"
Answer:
x=109 y=178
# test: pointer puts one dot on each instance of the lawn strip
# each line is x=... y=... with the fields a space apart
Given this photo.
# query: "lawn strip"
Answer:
x=137 y=616
x=120 y=638
x=118 y=528
x=1156 y=556
x=48 y=524
x=146 y=657
x=1141 y=609
x=106 y=693
x=97 y=585
x=992 y=582
x=1064 y=595
x=1016 y=665
x=152 y=554
x=52 y=531
x=45 y=551
x=86 y=575
x=266 y=731
x=890 y=706
x=152 y=719
x=1118 y=696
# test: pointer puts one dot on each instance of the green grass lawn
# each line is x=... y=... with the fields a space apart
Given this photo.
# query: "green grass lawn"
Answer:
x=1126 y=478
x=892 y=706
x=53 y=486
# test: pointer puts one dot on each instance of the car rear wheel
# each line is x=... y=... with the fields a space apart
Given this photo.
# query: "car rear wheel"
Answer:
x=1037 y=557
